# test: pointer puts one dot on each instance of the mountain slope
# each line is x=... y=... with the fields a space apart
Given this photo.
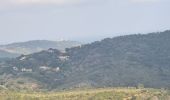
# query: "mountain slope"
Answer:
x=4 y=54
x=36 y=46
x=121 y=61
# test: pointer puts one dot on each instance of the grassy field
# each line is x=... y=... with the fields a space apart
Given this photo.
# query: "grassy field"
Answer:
x=90 y=94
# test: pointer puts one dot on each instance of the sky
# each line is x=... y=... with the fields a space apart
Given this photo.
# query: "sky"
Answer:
x=80 y=20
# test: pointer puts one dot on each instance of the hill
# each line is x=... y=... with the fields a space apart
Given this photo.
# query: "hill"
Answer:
x=122 y=61
x=113 y=62
x=15 y=49
x=4 y=54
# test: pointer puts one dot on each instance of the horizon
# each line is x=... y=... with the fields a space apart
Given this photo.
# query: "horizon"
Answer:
x=85 y=42
x=80 y=20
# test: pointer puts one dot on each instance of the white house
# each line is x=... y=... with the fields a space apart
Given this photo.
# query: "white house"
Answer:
x=26 y=70
x=44 y=68
x=63 y=58
x=15 y=68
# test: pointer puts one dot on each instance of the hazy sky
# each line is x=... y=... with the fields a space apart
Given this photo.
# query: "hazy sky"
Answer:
x=80 y=20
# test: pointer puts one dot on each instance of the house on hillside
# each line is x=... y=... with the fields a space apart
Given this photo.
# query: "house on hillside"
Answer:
x=44 y=68
x=63 y=58
x=15 y=68
x=26 y=70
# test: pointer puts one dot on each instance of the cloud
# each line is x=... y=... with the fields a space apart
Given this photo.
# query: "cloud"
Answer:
x=59 y=2
x=10 y=4
x=147 y=1
x=28 y=2
x=64 y=2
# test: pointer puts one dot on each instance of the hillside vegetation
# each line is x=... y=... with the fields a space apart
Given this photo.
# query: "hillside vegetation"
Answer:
x=113 y=62
x=90 y=94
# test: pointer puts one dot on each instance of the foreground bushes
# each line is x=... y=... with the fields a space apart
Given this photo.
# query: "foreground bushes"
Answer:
x=90 y=94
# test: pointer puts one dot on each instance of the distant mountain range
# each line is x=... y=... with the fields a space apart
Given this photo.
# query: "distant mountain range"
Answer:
x=120 y=61
x=4 y=54
x=16 y=49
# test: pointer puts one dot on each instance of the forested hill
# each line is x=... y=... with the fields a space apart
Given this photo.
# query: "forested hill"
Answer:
x=120 y=61
x=16 y=49
x=124 y=61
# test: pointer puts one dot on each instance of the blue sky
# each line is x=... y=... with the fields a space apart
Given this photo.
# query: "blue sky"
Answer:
x=80 y=20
